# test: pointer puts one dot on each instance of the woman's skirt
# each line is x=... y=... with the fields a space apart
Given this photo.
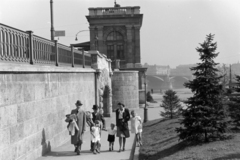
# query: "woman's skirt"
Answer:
x=123 y=132
x=120 y=133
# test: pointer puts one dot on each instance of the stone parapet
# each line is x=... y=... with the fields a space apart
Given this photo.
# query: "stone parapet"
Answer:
x=10 y=67
x=100 y=11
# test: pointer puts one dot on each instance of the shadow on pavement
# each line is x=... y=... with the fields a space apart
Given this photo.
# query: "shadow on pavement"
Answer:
x=229 y=156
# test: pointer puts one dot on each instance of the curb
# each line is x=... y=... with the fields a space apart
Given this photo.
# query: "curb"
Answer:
x=133 y=149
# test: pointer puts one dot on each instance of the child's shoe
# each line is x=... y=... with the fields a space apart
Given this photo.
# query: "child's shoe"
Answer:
x=137 y=145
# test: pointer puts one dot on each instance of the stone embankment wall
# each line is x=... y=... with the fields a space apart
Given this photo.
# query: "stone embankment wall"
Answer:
x=125 y=89
x=33 y=104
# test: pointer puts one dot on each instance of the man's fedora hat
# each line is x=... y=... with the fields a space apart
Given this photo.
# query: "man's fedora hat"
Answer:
x=121 y=104
x=95 y=107
x=78 y=103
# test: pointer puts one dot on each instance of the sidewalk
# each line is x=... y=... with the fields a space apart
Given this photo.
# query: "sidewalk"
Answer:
x=65 y=152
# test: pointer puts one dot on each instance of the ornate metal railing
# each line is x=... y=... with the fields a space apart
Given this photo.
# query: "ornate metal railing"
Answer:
x=24 y=47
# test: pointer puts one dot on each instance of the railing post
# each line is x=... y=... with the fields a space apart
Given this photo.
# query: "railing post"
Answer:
x=72 y=50
x=30 y=49
x=56 y=52
x=83 y=58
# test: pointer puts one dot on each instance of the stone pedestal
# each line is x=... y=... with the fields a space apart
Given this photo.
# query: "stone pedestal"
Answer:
x=125 y=89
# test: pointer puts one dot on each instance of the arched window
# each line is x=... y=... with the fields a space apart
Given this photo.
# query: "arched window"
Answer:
x=115 y=46
x=113 y=36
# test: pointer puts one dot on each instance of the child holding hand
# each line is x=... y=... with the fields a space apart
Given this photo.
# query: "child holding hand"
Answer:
x=111 y=136
x=95 y=137
x=136 y=127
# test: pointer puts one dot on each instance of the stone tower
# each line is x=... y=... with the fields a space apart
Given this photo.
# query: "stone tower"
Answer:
x=115 y=31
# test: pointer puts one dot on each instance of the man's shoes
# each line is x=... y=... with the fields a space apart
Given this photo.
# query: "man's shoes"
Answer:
x=78 y=153
x=97 y=150
x=123 y=149
x=75 y=149
x=94 y=152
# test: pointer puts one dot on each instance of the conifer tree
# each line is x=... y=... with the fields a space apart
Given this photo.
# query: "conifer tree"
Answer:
x=204 y=117
x=171 y=104
x=234 y=106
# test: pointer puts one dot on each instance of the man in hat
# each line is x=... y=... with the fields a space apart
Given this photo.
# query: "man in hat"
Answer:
x=77 y=138
x=96 y=115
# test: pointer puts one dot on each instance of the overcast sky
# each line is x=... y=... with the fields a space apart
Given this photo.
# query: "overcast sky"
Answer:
x=170 y=32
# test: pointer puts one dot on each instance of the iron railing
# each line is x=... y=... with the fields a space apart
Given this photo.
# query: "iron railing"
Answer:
x=24 y=47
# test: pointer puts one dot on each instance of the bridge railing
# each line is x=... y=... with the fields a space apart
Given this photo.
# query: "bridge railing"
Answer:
x=24 y=47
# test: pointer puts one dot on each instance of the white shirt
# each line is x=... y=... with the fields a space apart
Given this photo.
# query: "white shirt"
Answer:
x=120 y=116
x=95 y=134
x=135 y=123
x=112 y=131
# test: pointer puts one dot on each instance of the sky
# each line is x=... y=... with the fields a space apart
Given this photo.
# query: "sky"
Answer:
x=170 y=33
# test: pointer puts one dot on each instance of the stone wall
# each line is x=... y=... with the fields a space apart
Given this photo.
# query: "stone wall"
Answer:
x=125 y=89
x=33 y=104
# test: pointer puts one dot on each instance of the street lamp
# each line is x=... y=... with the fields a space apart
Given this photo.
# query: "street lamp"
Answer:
x=145 y=108
x=79 y=32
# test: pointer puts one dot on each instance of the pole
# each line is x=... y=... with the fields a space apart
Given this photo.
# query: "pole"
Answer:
x=145 y=108
x=52 y=25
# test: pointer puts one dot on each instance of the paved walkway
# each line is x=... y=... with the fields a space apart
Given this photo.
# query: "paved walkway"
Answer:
x=65 y=152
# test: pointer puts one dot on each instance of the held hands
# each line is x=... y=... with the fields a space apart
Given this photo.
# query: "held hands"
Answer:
x=104 y=129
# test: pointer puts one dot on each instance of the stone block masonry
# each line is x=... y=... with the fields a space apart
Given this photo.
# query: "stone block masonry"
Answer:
x=33 y=104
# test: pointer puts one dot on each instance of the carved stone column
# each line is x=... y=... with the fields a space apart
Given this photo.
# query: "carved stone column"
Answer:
x=137 y=58
x=129 y=63
x=92 y=37
x=100 y=39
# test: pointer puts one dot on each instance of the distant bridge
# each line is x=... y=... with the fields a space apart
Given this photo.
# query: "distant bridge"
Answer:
x=159 y=82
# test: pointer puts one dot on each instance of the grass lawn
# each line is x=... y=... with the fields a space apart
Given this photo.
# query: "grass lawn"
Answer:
x=160 y=141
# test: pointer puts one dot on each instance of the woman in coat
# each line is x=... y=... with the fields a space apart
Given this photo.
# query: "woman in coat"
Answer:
x=122 y=118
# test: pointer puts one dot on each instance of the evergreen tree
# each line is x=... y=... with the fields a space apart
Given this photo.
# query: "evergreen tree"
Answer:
x=234 y=106
x=204 y=116
x=171 y=104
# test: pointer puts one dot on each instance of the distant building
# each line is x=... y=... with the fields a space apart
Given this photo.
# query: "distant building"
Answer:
x=182 y=70
x=157 y=70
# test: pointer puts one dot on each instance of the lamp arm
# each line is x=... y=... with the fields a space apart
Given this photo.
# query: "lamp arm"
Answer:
x=81 y=31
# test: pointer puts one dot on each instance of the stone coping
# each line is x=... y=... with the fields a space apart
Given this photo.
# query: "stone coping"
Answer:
x=6 y=67
x=99 y=54
x=128 y=71
x=91 y=8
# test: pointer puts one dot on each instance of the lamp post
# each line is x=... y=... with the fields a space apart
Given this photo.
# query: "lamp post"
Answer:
x=52 y=25
x=79 y=32
x=145 y=108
